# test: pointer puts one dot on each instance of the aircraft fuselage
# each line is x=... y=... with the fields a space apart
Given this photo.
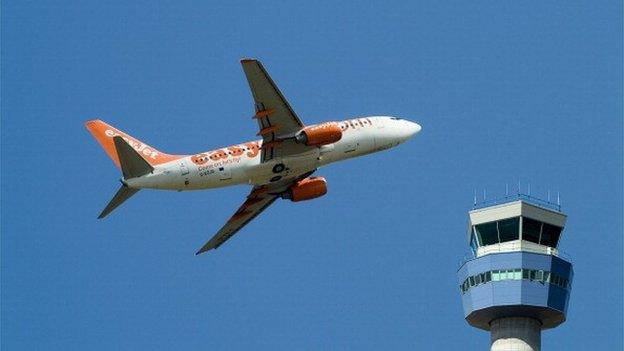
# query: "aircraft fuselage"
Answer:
x=241 y=164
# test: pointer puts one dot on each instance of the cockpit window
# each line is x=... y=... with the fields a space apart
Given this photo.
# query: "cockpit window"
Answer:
x=396 y=118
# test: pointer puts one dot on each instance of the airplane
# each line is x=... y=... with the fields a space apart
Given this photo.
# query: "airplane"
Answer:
x=280 y=165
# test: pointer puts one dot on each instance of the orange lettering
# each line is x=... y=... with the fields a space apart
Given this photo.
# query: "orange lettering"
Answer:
x=254 y=149
x=218 y=154
x=236 y=151
x=199 y=159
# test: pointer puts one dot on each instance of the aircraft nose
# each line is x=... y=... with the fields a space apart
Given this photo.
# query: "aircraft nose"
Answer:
x=411 y=128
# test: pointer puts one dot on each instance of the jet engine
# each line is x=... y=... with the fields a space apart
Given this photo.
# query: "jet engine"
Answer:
x=307 y=189
x=322 y=134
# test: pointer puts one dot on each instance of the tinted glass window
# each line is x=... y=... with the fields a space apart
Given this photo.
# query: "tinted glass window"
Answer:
x=495 y=276
x=508 y=229
x=547 y=277
x=538 y=276
x=487 y=233
x=503 y=274
x=550 y=235
x=531 y=230
x=473 y=242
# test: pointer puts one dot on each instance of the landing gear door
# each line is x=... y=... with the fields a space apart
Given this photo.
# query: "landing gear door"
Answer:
x=351 y=147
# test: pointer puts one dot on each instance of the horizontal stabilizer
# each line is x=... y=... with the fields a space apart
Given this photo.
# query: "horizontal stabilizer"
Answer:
x=132 y=164
x=123 y=194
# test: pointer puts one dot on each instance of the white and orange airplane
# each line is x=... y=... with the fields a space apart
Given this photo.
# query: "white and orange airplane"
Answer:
x=278 y=166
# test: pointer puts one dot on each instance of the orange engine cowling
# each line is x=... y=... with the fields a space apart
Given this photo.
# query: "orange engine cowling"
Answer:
x=308 y=189
x=321 y=134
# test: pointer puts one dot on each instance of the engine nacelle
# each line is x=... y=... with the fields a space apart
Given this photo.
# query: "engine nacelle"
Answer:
x=307 y=189
x=321 y=134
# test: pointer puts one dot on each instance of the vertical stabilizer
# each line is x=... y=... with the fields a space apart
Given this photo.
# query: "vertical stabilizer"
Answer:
x=104 y=134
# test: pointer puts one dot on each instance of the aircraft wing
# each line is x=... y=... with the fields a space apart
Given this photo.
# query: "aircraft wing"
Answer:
x=277 y=121
x=257 y=201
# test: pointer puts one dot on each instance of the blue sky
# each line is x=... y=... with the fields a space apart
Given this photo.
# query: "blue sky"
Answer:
x=527 y=91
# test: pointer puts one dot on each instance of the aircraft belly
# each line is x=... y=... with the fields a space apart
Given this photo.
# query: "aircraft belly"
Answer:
x=284 y=167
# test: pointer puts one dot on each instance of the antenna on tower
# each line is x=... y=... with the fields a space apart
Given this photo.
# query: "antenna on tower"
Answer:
x=548 y=195
x=529 y=189
x=483 y=194
x=506 y=189
x=518 y=186
x=558 y=200
x=475 y=197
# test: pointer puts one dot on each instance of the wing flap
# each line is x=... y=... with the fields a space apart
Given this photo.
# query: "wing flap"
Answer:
x=269 y=101
x=277 y=121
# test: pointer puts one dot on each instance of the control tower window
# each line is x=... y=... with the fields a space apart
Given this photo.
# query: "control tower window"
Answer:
x=531 y=230
x=540 y=233
x=473 y=243
x=550 y=235
x=498 y=232
x=508 y=229
x=488 y=234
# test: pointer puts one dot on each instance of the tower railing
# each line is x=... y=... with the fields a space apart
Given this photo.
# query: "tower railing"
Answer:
x=556 y=206
x=514 y=247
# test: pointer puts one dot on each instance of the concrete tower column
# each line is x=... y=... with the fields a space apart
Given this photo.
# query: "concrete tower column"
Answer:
x=516 y=334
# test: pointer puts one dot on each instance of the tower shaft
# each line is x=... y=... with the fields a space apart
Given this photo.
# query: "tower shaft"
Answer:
x=515 y=334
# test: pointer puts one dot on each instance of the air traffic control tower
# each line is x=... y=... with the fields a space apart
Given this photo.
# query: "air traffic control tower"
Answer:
x=516 y=283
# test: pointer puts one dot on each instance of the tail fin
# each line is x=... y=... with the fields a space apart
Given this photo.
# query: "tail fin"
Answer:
x=123 y=194
x=104 y=134
x=132 y=156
